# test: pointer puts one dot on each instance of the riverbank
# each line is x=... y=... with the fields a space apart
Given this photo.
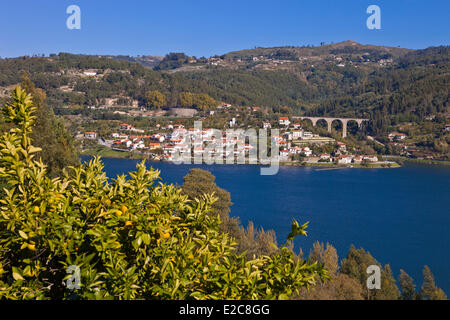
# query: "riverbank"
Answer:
x=422 y=161
x=394 y=161
x=109 y=153
x=350 y=165
x=113 y=154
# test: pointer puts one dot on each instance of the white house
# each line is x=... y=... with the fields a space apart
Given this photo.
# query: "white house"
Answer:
x=284 y=154
x=168 y=149
x=127 y=143
x=288 y=135
x=178 y=141
x=297 y=134
x=400 y=136
x=344 y=159
x=157 y=138
x=306 y=151
x=90 y=73
x=341 y=146
x=370 y=158
x=307 y=135
x=357 y=159
x=137 y=145
x=397 y=136
x=224 y=106
x=125 y=126
x=284 y=121
x=90 y=135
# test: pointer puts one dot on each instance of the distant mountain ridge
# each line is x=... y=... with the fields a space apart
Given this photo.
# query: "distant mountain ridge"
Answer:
x=235 y=59
x=146 y=61
x=324 y=49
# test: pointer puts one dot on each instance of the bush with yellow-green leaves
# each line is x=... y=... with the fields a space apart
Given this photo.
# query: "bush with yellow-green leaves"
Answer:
x=134 y=238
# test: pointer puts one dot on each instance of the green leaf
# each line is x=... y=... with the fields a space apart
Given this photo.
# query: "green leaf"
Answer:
x=23 y=234
x=297 y=230
x=146 y=238
x=16 y=274
x=32 y=149
x=283 y=296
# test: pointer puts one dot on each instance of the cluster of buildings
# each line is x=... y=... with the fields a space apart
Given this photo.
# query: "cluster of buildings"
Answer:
x=182 y=141
x=293 y=143
x=356 y=159
x=210 y=142
x=291 y=132
x=124 y=142
x=340 y=155
x=194 y=141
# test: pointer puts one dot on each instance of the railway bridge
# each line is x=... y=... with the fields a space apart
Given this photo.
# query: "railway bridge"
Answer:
x=329 y=121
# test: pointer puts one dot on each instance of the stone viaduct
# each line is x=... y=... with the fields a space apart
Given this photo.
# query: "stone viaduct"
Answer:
x=329 y=121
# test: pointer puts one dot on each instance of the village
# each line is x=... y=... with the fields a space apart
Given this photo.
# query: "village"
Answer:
x=296 y=145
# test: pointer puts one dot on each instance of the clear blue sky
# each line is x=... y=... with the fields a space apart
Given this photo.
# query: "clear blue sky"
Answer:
x=205 y=28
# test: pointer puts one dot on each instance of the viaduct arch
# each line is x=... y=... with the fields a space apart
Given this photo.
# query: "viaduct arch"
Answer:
x=329 y=121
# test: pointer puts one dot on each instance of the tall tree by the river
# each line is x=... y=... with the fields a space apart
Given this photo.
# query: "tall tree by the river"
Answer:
x=429 y=290
x=49 y=133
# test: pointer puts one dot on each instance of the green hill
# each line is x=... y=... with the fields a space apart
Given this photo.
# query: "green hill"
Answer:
x=345 y=79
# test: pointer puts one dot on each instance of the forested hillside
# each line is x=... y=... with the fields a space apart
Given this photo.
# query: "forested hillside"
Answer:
x=389 y=85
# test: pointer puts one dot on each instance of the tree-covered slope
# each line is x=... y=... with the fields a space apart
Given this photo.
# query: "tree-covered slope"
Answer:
x=345 y=79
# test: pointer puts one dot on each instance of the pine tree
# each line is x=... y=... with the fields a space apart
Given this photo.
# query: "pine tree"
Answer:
x=389 y=289
x=49 y=133
x=340 y=287
x=429 y=290
x=327 y=255
x=355 y=266
x=407 y=286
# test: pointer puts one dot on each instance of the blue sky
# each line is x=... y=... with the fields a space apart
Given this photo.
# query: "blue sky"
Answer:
x=205 y=28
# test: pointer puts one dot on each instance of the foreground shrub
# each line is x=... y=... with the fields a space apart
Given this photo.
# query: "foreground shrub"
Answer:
x=130 y=238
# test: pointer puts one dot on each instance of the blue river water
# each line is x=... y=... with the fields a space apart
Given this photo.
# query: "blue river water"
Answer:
x=401 y=216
